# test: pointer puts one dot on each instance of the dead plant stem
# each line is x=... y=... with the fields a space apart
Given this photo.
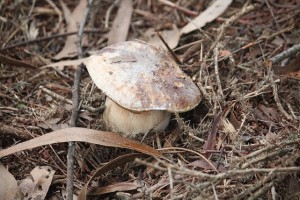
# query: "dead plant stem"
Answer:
x=75 y=100
x=216 y=55
x=276 y=98
x=285 y=54
x=64 y=99
x=41 y=39
x=220 y=176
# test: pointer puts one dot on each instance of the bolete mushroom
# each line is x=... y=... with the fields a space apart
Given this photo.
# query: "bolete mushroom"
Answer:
x=143 y=85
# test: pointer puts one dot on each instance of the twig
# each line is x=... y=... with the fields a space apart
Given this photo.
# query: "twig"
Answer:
x=220 y=176
x=7 y=60
x=262 y=191
x=37 y=40
x=115 y=3
x=264 y=38
x=256 y=186
x=64 y=99
x=288 y=53
x=277 y=100
x=229 y=22
x=170 y=50
x=59 y=13
x=182 y=9
x=75 y=99
x=216 y=53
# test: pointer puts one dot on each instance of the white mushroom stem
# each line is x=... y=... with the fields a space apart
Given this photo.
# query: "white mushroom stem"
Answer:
x=130 y=123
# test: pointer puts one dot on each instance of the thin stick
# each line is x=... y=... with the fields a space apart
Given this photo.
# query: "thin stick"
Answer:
x=170 y=50
x=182 y=9
x=288 y=53
x=37 y=40
x=221 y=176
x=64 y=99
x=75 y=99
x=228 y=23
x=277 y=100
x=216 y=55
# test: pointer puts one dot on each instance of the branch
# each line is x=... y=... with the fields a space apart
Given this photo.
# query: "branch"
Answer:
x=75 y=99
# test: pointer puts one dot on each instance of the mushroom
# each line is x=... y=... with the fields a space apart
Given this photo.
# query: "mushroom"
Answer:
x=143 y=85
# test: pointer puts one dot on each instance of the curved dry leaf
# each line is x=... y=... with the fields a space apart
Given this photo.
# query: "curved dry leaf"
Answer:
x=9 y=189
x=120 y=27
x=171 y=37
x=82 y=135
x=72 y=19
x=211 y=13
x=116 y=187
x=61 y=64
x=117 y=162
x=37 y=186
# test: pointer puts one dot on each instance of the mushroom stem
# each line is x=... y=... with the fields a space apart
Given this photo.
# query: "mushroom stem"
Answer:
x=130 y=123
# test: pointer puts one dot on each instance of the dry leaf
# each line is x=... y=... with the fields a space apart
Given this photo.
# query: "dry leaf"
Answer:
x=37 y=186
x=211 y=13
x=82 y=135
x=64 y=195
x=120 y=27
x=117 y=162
x=170 y=36
x=116 y=187
x=212 y=137
x=267 y=116
x=73 y=20
x=228 y=129
x=61 y=64
x=32 y=31
x=234 y=121
x=9 y=189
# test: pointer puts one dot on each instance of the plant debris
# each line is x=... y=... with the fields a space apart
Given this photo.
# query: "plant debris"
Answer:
x=241 y=142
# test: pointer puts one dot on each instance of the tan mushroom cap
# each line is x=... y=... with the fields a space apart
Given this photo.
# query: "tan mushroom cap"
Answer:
x=141 y=77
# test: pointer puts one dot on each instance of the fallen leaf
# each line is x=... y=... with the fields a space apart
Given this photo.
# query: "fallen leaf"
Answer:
x=82 y=135
x=9 y=189
x=233 y=120
x=37 y=186
x=64 y=194
x=228 y=129
x=117 y=162
x=211 y=13
x=73 y=20
x=212 y=137
x=116 y=187
x=170 y=36
x=61 y=64
x=120 y=27
x=32 y=31
x=263 y=114
x=270 y=112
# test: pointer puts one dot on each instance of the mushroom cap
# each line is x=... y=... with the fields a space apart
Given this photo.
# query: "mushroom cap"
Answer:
x=141 y=77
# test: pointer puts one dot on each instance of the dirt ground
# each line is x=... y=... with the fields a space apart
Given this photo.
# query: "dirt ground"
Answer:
x=241 y=142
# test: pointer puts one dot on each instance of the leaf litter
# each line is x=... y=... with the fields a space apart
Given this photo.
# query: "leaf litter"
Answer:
x=254 y=145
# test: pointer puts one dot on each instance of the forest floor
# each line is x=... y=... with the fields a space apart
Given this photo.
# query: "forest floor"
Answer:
x=241 y=142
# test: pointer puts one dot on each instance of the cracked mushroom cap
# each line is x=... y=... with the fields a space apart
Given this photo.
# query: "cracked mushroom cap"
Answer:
x=141 y=77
